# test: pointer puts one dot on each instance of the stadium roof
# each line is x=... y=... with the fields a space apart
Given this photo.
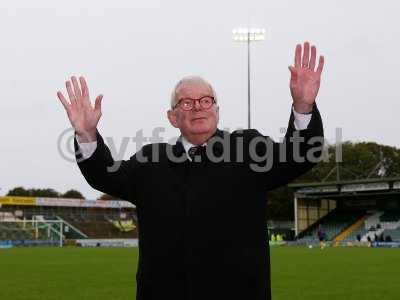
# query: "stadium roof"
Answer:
x=64 y=202
x=363 y=188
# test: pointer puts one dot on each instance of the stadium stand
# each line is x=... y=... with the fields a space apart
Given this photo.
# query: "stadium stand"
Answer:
x=390 y=222
x=393 y=233
x=348 y=226
x=95 y=228
x=333 y=224
x=124 y=226
x=386 y=223
x=29 y=218
x=349 y=210
x=390 y=216
x=14 y=231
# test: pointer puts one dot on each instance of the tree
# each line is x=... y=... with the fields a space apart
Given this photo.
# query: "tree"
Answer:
x=359 y=161
x=73 y=194
x=18 y=191
x=50 y=193
x=106 y=197
x=22 y=192
x=280 y=204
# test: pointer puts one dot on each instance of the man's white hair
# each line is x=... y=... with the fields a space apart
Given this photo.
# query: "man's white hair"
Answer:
x=190 y=79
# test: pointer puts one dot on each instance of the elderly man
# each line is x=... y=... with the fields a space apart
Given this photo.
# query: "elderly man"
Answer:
x=201 y=203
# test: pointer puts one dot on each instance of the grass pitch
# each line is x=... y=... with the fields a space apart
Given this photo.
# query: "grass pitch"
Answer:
x=109 y=273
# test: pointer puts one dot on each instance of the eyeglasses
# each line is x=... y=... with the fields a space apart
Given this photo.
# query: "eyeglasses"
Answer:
x=187 y=103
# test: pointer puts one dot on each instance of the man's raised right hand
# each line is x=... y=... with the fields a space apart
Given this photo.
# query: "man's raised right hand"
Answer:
x=82 y=115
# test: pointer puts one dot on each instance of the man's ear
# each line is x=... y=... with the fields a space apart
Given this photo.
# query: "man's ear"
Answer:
x=172 y=118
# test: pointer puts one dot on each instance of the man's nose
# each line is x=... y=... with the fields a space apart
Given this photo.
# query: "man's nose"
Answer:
x=196 y=105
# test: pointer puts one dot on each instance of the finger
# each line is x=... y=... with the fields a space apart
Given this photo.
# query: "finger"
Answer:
x=85 y=89
x=97 y=103
x=321 y=64
x=313 y=58
x=297 y=56
x=306 y=55
x=71 y=94
x=63 y=100
x=77 y=90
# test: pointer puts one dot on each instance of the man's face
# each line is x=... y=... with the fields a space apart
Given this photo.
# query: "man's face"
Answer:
x=197 y=121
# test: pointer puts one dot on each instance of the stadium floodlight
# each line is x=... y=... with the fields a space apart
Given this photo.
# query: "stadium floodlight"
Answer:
x=248 y=35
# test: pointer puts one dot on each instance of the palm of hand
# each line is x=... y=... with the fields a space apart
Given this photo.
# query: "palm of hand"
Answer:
x=305 y=87
x=305 y=81
x=82 y=115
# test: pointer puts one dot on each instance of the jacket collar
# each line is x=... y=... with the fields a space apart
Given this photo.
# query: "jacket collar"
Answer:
x=179 y=149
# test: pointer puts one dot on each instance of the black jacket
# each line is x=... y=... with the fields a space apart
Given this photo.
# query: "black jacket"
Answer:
x=202 y=225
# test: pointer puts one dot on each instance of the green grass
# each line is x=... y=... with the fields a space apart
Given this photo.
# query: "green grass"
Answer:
x=109 y=273
x=335 y=273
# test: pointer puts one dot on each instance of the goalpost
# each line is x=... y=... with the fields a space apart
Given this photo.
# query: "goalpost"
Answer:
x=32 y=232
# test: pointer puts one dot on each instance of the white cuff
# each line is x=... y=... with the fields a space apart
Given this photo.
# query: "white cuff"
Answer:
x=87 y=149
x=301 y=121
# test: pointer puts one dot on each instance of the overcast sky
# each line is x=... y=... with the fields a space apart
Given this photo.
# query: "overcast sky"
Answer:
x=133 y=52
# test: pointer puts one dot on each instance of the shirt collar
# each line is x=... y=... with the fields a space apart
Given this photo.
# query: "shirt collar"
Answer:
x=183 y=145
x=187 y=145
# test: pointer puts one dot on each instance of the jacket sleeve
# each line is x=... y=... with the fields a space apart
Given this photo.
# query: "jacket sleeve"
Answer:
x=116 y=178
x=278 y=163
